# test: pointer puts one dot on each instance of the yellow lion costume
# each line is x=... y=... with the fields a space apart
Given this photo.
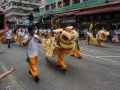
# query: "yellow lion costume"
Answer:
x=100 y=37
x=61 y=44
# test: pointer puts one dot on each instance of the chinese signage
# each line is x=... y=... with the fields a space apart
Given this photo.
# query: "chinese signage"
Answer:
x=68 y=20
x=99 y=17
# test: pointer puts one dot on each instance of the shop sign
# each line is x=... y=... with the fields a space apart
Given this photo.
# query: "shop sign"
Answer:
x=68 y=21
x=98 y=17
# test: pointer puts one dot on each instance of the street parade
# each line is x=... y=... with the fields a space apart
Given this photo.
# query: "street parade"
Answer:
x=49 y=52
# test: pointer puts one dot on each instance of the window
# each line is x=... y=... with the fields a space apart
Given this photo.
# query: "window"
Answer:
x=66 y=2
x=85 y=0
x=14 y=3
x=52 y=6
x=47 y=7
x=59 y=4
x=76 y=1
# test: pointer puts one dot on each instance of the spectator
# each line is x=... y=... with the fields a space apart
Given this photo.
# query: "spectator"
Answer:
x=8 y=37
x=13 y=69
x=110 y=35
x=115 y=39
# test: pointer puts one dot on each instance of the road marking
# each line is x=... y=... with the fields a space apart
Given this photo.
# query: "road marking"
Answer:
x=100 y=58
x=11 y=78
x=107 y=56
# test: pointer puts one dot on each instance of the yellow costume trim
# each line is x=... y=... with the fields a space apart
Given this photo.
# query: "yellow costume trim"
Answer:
x=66 y=46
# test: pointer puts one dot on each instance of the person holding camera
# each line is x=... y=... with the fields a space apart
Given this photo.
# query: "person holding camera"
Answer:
x=2 y=33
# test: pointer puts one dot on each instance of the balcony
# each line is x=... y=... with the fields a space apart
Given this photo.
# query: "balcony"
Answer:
x=74 y=6
x=16 y=13
x=18 y=20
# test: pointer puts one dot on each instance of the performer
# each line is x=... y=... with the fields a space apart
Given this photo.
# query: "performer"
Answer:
x=49 y=33
x=88 y=38
x=18 y=34
x=44 y=32
x=21 y=37
x=13 y=36
x=40 y=32
x=30 y=42
x=2 y=38
x=77 y=48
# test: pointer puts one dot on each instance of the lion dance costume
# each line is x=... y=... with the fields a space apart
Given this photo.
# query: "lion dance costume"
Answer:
x=63 y=43
x=100 y=37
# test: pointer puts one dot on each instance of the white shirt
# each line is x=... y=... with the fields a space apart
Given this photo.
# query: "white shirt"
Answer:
x=19 y=30
x=22 y=34
x=44 y=31
x=32 y=49
x=8 y=34
x=40 y=30
x=49 y=30
x=36 y=31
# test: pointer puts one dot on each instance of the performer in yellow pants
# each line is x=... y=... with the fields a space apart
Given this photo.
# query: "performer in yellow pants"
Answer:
x=33 y=67
x=21 y=37
x=18 y=37
x=13 y=38
x=61 y=60
x=3 y=40
x=30 y=42
x=76 y=50
x=87 y=39
x=49 y=35
x=21 y=40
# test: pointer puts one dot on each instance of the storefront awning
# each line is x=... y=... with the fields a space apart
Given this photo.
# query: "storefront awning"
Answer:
x=66 y=13
x=100 y=10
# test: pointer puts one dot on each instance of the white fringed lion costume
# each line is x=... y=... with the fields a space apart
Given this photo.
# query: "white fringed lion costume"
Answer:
x=61 y=44
x=100 y=37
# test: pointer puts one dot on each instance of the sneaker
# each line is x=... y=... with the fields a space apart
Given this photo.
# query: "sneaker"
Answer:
x=58 y=66
x=36 y=79
x=79 y=57
x=64 y=70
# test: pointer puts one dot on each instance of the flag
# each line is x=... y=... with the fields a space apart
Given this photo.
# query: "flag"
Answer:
x=91 y=26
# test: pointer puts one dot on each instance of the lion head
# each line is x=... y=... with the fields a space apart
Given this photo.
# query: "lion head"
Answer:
x=102 y=35
x=66 y=37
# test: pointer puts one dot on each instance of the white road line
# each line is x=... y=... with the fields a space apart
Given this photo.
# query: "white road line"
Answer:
x=107 y=56
x=99 y=58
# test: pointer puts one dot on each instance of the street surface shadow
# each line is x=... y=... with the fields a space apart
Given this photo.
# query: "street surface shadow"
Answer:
x=53 y=65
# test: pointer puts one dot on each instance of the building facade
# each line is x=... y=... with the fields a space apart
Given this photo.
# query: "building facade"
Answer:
x=80 y=13
x=16 y=10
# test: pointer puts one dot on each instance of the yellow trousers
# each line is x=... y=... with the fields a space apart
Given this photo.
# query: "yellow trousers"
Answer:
x=79 y=54
x=61 y=59
x=18 y=37
x=13 y=38
x=33 y=67
x=49 y=35
x=20 y=40
x=87 y=39
x=3 y=40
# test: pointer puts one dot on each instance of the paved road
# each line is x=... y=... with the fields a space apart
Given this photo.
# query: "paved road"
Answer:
x=99 y=69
